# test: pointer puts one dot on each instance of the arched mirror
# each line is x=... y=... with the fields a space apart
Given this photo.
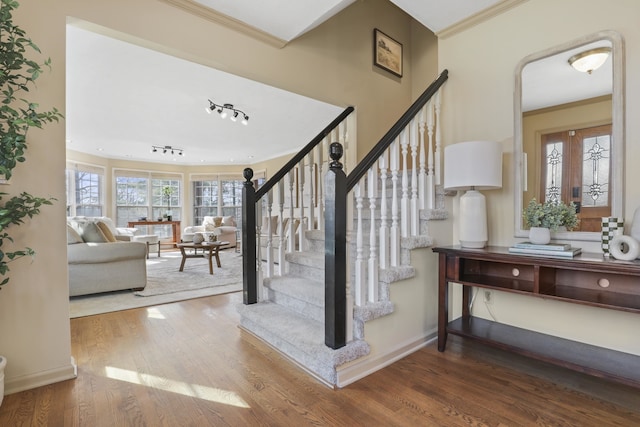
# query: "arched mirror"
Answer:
x=569 y=132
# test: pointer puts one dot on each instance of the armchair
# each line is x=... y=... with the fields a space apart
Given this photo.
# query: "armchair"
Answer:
x=224 y=225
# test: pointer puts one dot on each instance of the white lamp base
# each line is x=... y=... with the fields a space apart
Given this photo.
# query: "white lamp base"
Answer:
x=473 y=220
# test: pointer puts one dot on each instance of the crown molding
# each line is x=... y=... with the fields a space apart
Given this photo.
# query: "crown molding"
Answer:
x=227 y=21
x=478 y=18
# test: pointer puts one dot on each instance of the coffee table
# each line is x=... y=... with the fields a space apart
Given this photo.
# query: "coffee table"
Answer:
x=209 y=250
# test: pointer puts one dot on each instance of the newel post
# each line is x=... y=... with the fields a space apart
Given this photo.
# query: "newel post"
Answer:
x=249 y=277
x=335 y=258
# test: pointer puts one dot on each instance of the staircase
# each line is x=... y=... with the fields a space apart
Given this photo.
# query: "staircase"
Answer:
x=373 y=220
x=291 y=316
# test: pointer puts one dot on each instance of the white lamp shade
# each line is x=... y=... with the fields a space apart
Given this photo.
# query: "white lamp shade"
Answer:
x=473 y=165
x=476 y=164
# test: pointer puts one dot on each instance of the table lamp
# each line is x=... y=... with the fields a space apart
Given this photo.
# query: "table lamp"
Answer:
x=473 y=166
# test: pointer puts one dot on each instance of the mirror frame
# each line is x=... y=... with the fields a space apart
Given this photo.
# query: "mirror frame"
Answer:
x=618 y=120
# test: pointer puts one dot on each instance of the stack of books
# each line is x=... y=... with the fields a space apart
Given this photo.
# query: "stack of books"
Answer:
x=561 y=250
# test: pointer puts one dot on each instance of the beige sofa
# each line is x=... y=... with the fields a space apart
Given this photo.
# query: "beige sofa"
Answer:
x=224 y=226
x=100 y=259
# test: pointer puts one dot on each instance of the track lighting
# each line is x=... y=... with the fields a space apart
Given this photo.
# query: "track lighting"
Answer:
x=167 y=148
x=225 y=109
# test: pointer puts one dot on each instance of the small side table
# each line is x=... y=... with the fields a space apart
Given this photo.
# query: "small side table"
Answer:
x=149 y=239
x=209 y=250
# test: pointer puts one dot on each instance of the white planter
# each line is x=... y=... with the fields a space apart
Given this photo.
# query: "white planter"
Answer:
x=539 y=235
x=3 y=364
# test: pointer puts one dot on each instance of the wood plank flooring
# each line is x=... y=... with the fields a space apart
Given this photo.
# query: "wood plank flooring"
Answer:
x=188 y=364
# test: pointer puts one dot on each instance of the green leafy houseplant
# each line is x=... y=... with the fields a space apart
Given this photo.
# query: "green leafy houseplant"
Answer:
x=551 y=215
x=167 y=191
x=17 y=116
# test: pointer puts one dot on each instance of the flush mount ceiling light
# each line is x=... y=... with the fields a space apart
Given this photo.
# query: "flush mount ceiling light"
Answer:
x=225 y=109
x=167 y=149
x=590 y=60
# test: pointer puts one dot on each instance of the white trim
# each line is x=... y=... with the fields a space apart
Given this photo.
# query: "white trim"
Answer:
x=478 y=18
x=39 y=379
x=227 y=21
x=366 y=365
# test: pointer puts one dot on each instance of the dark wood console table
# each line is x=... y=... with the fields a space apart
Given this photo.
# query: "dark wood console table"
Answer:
x=175 y=228
x=587 y=279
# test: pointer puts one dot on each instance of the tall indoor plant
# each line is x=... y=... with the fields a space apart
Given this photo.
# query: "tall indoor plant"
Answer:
x=17 y=115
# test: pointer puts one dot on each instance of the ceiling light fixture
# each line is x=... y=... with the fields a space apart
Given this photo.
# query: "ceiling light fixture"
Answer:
x=167 y=148
x=225 y=109
x=590 y=60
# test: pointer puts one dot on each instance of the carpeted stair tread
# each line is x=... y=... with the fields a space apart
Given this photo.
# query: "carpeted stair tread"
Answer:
x=302 y=288
x=309 y=259
x=299 y=338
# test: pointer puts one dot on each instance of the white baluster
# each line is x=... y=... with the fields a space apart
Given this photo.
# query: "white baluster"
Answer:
x=312 y=192
x=259 y=270
x=372 y=274
x=350 y=265
x=422 y=176
x=438 y=159
x=291 y=245
x=269 y=201
x=413 y=215
x=430 y=171
x=394 y=232
x=301 y=182
x=343 y=138
x=281 y=233
x=360 y=264
x=383 y=162
x=404 y=201
x=322 y=147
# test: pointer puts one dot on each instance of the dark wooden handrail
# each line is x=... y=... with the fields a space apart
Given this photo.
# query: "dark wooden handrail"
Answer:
x=264 y=188
x=358 y=172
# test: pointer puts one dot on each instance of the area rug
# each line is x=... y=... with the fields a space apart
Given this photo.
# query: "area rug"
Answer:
x=166 y=284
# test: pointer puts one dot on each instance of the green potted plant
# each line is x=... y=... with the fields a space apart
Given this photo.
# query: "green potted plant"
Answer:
x=167 y=191
x=17 y=116
x=543 y=218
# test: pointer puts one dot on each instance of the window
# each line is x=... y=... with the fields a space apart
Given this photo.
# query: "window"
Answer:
x=219 y=195
x=85 y=189
x=140 y=195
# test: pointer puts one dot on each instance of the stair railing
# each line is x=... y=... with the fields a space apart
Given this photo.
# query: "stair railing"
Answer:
x=293 y=202
x=378 y=247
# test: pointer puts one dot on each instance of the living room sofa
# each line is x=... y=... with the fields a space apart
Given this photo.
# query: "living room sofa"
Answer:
x=224 y=227
x=100 y=259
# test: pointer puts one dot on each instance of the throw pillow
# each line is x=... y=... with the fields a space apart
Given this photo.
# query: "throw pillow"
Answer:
x=92 y=234
x=106 y=231
x=209 y=227
x=217 y=221
x=109 y=223
x=73 y=236
x=230 y=221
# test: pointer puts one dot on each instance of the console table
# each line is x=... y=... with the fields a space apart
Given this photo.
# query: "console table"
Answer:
x=587 y=279
x=175 y=228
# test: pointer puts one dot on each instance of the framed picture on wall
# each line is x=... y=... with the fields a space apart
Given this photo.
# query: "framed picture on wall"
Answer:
x=387 y=53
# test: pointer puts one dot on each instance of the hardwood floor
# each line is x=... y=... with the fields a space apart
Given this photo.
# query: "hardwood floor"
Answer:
x=188 y=364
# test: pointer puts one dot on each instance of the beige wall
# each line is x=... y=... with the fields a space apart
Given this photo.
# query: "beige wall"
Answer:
x=479 y=105
x=332 y=63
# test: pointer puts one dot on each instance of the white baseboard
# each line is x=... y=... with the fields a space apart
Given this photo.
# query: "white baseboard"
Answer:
x=39 y=379
x=366 y=366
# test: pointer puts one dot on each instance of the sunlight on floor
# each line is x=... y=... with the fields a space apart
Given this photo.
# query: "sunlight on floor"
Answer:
x=201 y=392
x=155 y=313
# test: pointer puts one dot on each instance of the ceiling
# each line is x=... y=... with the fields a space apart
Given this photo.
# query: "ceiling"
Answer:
x=143 y=99
x=551 y=81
